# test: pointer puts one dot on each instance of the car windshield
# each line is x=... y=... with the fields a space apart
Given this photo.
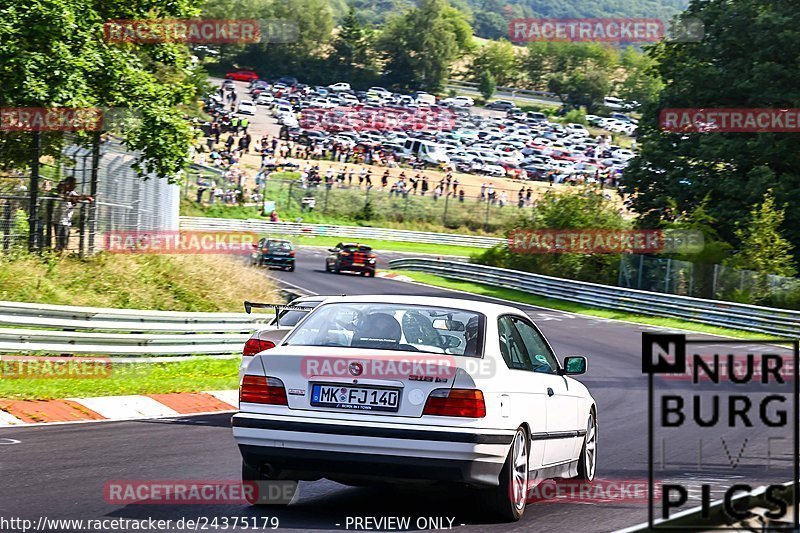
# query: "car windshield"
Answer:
x=381 y=326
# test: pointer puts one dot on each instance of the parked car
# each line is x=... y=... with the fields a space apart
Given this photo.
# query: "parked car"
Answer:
x=500 y=105
x=341 y=86
x=274 y=253
x=242 y=75
x=351 y=257
x=246 y=107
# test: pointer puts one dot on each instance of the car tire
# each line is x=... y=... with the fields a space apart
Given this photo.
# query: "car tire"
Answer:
x=335 y=269
x=291 y=268
x=509 y=499
x=371 y=273
x=251 y=474
x=587 y=461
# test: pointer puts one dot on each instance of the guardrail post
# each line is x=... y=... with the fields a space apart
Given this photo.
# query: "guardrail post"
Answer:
x=641 y=270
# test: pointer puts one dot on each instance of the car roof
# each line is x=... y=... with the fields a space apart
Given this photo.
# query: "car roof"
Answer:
x=487 y=308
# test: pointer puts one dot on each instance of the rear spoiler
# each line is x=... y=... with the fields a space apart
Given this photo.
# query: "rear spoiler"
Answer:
x=249 y=306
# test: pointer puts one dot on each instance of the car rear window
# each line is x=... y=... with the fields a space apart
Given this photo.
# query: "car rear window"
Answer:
x=357 y=249
x=280 y=246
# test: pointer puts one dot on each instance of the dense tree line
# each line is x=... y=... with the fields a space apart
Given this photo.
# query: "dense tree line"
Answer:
x=53 y=54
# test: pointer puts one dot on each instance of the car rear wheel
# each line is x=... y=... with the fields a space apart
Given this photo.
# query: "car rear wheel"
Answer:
x=257 y=493
x=511 y=496
x=291 y=268
x=587 y=462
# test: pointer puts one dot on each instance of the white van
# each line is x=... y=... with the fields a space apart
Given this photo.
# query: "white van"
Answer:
x=426 y=151
x=426 y=99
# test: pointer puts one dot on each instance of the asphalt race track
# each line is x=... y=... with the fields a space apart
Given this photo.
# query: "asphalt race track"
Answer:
x=60 y=471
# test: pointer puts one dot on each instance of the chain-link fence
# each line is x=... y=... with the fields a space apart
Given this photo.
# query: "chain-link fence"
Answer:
x=347 y=202
x=719 y=282
x=71 y=214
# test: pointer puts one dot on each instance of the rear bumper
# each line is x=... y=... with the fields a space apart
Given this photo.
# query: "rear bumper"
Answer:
x=277 y=261
x=350 y=267
x=310 y=449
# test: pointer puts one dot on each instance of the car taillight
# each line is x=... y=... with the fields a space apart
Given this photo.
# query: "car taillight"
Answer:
x=291 y=254
x=345 y=254
x=456 y=402
x=255 y=345
x=260 y=389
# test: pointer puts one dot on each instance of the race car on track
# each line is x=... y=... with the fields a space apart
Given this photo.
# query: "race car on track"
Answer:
x=351 y=257
x=274 y=253
x=286 y=317
x=417 y=389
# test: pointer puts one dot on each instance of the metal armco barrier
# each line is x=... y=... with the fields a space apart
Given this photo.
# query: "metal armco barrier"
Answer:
x=322 y=230
x=713 y=312
x=54 y=329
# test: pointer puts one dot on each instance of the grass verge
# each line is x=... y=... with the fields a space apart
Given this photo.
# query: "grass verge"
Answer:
x=571 y=307
x=210 y=283
x=134 y=378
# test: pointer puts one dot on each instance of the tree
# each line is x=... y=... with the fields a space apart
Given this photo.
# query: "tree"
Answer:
x=641 y=83
x=421 y=45
x=499 y=59
x=301 y=54
x=487 y=85
x=53 y=54
x=763 y=248
x=735 y=66
x=351 y=45
x=580 y=88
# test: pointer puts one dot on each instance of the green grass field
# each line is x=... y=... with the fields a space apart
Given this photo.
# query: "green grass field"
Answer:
x=184 y=376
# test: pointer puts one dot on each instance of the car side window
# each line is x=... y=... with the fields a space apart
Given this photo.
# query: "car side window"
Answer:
x=541 y=357
x=512 y=347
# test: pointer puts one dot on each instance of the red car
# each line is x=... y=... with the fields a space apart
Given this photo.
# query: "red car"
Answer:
x=242 y=75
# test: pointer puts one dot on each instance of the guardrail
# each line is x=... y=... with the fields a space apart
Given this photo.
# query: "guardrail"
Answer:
x=713 y=312
x=322 y=230
x=511 y=92
x=53 y=329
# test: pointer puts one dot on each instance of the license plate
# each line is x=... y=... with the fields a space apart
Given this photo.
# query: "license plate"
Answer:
x=355 y=398
x=358 y=264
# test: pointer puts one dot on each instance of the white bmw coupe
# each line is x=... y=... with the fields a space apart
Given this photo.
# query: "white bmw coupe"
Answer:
x=377 y=388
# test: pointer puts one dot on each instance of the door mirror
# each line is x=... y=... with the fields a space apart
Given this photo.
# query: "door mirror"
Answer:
x=574 y=365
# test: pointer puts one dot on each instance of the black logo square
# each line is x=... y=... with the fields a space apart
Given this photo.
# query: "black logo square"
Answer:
x=663 y=353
